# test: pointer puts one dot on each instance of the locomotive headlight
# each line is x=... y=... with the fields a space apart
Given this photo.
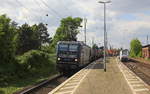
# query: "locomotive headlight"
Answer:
x=76 y=60
x=58 y=58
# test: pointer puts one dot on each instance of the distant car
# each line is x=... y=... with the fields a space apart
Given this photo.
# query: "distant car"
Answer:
x=124 y=55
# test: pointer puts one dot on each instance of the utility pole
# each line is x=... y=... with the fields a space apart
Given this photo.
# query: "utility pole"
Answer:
x=92 y=41
x=85 y=21
x=105 y=33
x=147 y=40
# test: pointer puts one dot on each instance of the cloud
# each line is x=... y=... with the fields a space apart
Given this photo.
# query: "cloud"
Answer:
x=126 y=19
x=130 y=6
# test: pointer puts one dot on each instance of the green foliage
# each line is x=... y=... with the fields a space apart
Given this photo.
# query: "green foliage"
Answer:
x=32 y=37
x=68 y=30
x=25 y=50
x=43 y=34
x=135 y=48
x=95 y=46
x=140 y=54
x=35 y=61
x=7 y=40
x=29 y=64
x=31 y=44
x=48 y=49
x=27 y=39
x=8 y=72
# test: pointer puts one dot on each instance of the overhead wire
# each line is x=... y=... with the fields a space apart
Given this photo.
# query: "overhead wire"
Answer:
x=57 y=14
x=25 y=9
x=30 y=9
x=45 y=5
x=66 y=8
x=51 y=13
x=46 y=14
x=39 y=5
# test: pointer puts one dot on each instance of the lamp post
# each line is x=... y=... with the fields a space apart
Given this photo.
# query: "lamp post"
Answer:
x=85 y=21
x=105 y=33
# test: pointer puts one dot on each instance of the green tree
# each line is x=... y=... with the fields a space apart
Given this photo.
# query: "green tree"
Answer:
x=135 y=48
x=43 y=34
x=95 y=46
x=32 y=37
x=7 y=40
x=26 y=39
x=68 y=30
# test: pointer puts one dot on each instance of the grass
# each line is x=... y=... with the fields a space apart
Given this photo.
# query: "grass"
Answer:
x=19 y=84
x=28 y=80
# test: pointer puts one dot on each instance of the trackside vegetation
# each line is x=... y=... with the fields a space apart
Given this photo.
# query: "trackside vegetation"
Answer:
x=135 y=48
x=27 y=52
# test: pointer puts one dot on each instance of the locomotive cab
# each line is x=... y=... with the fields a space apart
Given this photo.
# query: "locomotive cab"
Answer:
x=124 y=55
x=68 y=56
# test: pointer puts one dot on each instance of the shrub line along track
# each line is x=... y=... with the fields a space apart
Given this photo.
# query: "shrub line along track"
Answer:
x=142 y=70
x=36 y=88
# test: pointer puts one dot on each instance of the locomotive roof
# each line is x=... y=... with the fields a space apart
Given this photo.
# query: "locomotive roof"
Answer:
x=125 y=50
x=72 y=42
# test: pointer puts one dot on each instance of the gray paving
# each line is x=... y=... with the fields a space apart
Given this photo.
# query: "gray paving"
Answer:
x=100 y=82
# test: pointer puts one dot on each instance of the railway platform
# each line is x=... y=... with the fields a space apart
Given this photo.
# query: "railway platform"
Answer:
x=93 y=80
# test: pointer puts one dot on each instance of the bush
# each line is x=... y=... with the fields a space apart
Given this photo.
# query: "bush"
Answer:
x=36 y=61
x=135 y=48
x=48 y=49
x=8 y=72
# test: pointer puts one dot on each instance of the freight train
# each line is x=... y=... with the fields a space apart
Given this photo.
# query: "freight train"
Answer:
x=73 y=55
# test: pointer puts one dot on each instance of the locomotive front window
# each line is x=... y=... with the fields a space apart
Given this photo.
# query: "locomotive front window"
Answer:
x=63 y=47
x=73 y=47
x=124 y=52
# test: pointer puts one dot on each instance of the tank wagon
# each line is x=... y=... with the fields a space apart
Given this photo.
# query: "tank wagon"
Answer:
x=72 y=55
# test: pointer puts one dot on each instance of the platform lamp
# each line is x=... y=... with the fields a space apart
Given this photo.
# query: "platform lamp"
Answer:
x=105 y=33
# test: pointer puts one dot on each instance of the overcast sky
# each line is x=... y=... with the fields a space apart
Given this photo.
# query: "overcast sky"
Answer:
x=126 y=19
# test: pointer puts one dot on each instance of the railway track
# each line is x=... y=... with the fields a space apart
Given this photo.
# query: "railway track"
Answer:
x=142 y=70
x=71 y=84
x=45 y=86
